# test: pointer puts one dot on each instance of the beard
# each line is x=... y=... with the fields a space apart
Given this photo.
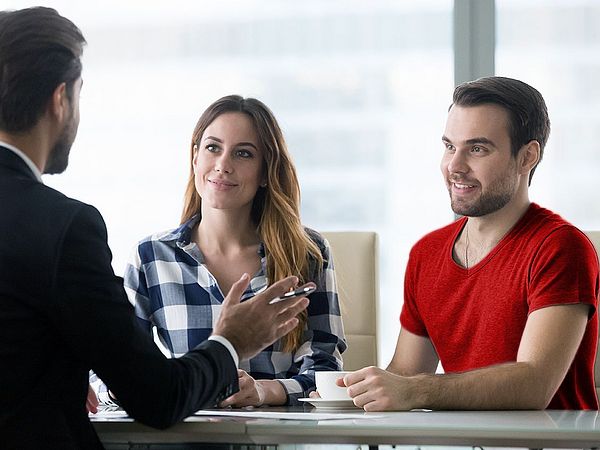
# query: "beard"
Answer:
x=58 y=159
x=499 y=193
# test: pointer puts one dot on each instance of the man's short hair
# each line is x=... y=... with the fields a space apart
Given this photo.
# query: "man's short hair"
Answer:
x=39 y=50
x=527 y=113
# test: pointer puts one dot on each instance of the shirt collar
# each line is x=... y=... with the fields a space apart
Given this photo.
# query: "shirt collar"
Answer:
x=181 y=235
x=25 y=158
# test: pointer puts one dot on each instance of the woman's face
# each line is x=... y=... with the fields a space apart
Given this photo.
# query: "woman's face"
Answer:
x=228 y=163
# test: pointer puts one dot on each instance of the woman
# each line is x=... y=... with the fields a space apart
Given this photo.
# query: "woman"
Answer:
x=240 y=215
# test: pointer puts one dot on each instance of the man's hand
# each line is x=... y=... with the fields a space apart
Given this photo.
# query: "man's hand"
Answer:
x=375 y=389
x=255 y=324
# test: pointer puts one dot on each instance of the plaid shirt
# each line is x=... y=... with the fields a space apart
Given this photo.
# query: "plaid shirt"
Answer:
x=172 y=290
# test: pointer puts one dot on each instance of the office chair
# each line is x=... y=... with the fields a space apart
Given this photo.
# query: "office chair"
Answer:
x=355 y=262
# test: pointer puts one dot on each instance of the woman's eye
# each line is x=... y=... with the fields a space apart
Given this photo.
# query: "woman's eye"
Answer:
x=476 y=149
x=244 y=154
x=212 y=148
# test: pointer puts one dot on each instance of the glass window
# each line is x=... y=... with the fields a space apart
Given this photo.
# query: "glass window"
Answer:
x=553 y=45
x=360 y=89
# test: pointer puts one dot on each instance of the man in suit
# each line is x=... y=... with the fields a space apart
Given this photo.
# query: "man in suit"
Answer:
x=62 y=309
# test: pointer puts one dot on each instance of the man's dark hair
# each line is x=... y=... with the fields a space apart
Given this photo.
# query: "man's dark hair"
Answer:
x=39 y=50
x=527 y=113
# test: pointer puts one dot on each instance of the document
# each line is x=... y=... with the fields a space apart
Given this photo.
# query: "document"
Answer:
x=108 y=413
x=257 y=413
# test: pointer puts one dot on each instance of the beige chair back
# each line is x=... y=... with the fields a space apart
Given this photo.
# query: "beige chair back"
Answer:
x=595 y=238
x=355 y=260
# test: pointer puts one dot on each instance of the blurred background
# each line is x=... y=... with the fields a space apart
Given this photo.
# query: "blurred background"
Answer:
x=361 y=90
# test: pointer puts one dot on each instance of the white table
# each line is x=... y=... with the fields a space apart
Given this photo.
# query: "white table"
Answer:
x=533 y=429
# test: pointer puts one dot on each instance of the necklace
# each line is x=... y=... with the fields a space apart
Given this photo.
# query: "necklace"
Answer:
x=467 y=246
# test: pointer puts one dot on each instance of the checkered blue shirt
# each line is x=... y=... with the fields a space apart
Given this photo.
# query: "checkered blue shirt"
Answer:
x=172 y=290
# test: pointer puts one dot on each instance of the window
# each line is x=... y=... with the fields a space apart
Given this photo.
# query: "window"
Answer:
x=360 y=89
x=559 y=59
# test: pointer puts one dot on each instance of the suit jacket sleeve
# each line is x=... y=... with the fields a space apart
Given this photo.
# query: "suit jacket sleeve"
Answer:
x=100 y=327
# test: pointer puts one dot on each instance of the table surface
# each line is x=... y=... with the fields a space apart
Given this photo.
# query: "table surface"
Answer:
x=533 y=429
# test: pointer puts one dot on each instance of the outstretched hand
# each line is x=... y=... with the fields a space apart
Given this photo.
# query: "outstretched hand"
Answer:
x=255 y=324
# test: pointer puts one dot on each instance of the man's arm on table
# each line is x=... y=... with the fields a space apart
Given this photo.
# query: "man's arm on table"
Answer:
x=548 y=346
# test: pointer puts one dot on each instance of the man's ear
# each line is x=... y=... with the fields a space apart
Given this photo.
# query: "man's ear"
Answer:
x=529 y=156
x=59 y=104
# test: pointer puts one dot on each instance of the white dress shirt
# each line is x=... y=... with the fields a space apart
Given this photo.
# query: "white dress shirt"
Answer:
x=25 y=158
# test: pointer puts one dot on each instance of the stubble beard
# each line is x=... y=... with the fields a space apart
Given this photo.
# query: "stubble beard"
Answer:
x=58 y=159
x=497 y=196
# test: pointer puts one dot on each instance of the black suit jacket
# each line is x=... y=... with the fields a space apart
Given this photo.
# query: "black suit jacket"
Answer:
x=63 y=311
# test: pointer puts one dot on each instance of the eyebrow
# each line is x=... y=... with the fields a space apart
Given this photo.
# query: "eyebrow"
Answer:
x=212 y=138
x=475 y=140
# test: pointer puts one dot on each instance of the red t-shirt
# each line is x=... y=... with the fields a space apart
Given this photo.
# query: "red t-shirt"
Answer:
x=475 y=317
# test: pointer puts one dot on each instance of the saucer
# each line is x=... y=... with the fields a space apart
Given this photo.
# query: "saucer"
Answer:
x=322 y=403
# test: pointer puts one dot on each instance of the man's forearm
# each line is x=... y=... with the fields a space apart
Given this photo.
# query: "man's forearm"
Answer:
x=516 y=385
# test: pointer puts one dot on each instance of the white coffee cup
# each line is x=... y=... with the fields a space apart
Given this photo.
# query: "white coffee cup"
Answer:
x=327 y=388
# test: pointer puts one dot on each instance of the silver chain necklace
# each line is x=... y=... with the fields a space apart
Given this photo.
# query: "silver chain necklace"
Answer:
x=467 y=246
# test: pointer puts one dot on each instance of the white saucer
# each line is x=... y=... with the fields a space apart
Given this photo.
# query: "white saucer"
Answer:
x=322 y=403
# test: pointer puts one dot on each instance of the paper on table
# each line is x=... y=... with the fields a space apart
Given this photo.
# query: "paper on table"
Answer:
x=257 y=414
x=109 y=414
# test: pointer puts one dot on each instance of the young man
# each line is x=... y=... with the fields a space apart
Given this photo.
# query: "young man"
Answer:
x=62 y=309
x=504 y=297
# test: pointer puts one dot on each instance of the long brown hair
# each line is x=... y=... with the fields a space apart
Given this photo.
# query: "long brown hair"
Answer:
x=276 y=207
